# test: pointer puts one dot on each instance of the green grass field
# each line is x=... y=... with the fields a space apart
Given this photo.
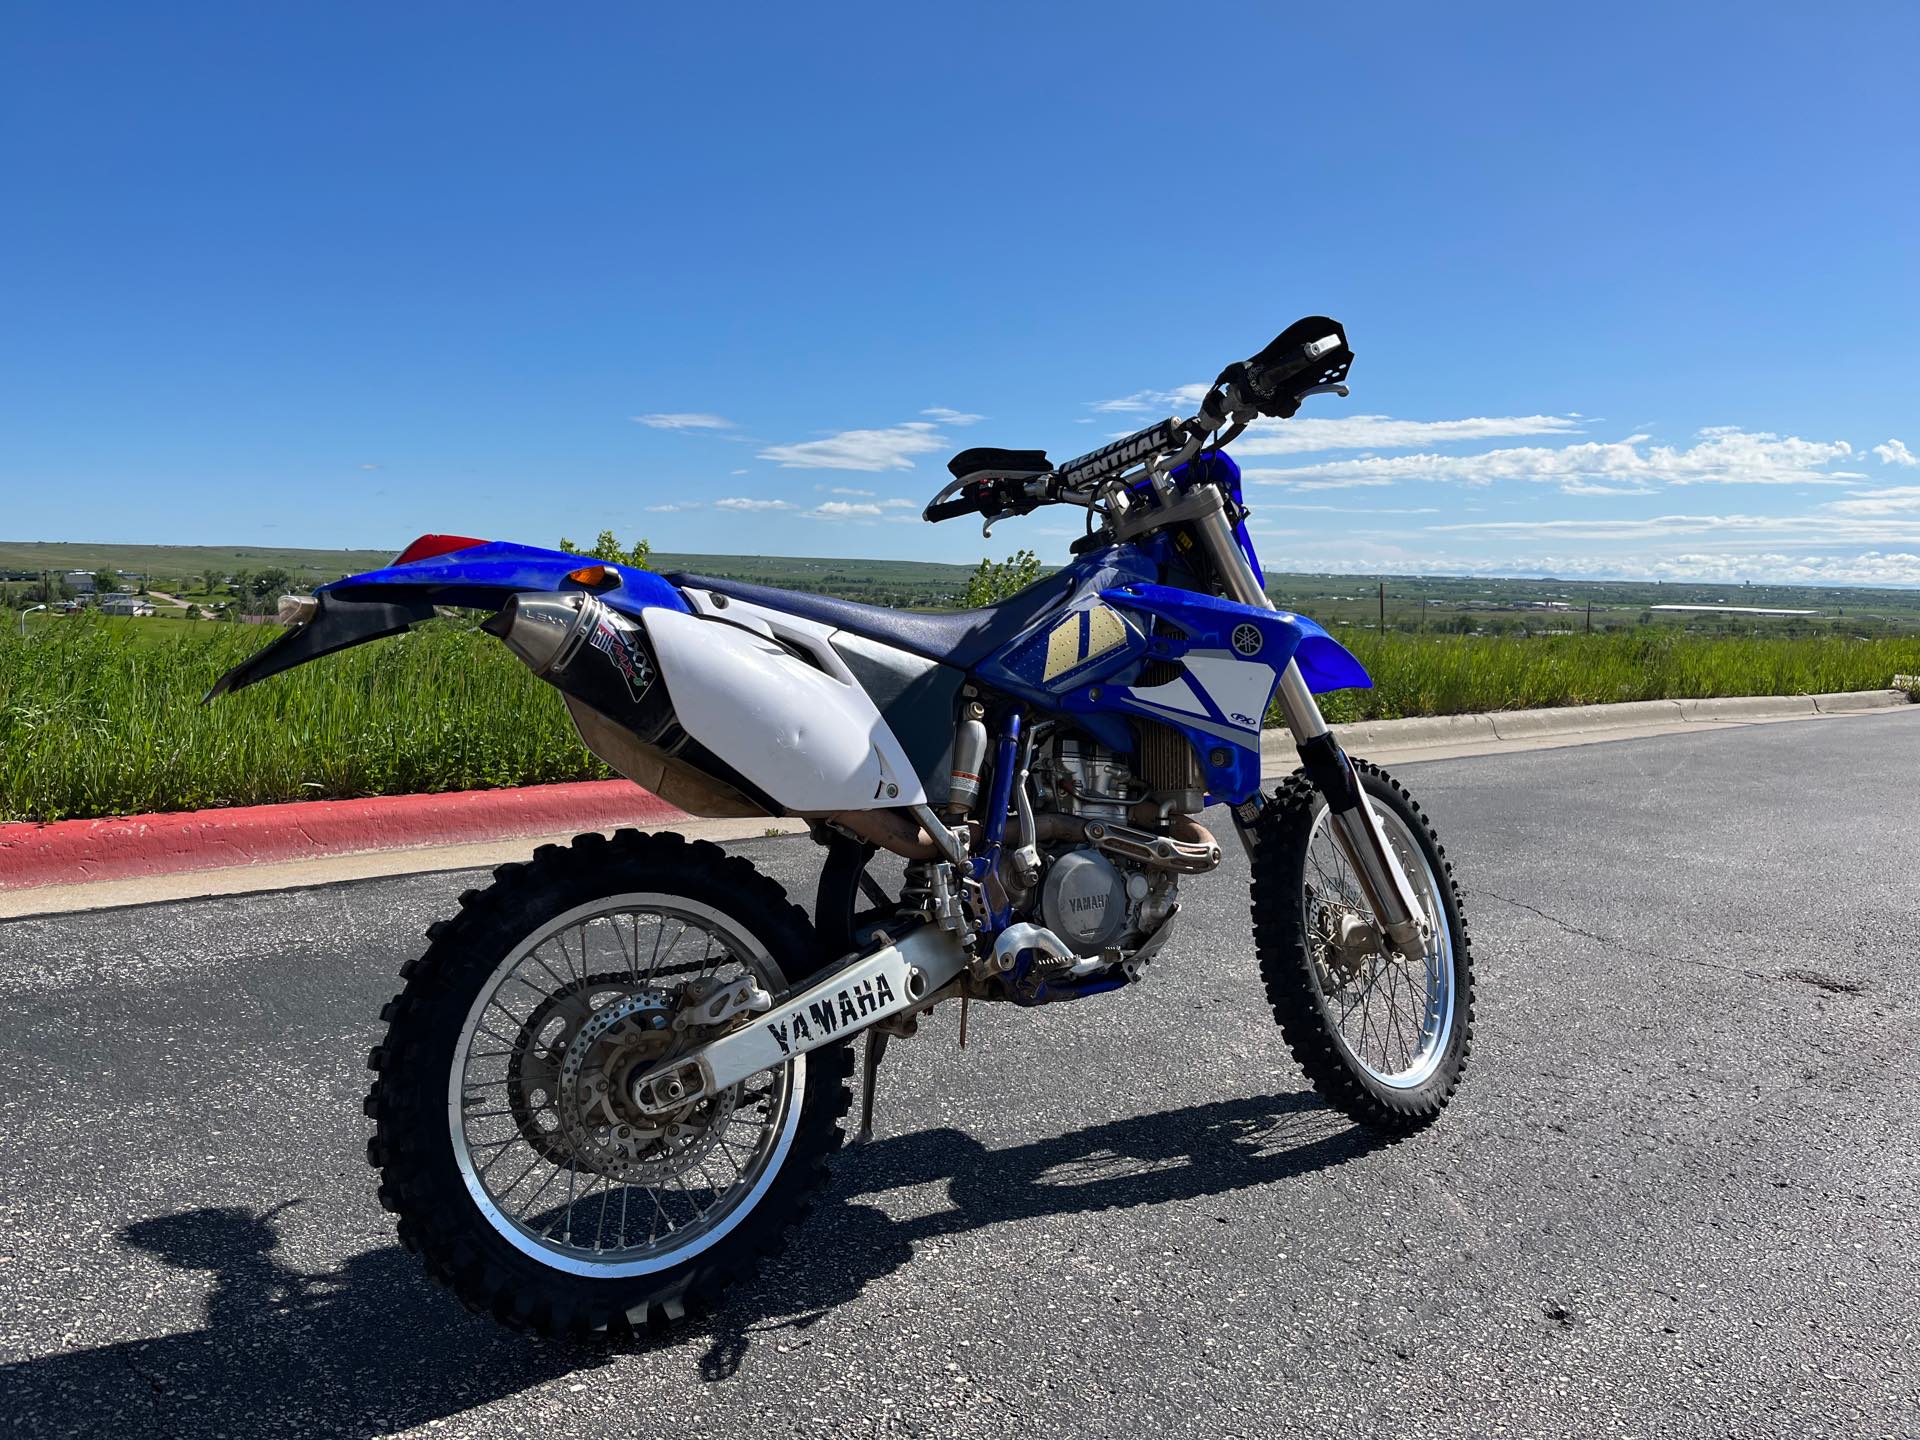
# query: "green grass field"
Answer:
x=98 y=717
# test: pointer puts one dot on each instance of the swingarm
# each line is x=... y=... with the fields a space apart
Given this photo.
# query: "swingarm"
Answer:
x=867 y=989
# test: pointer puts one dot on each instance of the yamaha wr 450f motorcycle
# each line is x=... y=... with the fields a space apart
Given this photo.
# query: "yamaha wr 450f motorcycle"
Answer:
x=611 y=1083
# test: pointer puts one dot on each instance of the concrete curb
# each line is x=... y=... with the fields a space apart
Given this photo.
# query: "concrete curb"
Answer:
x=136 y=847
x=72 y=852
x=1437 y=731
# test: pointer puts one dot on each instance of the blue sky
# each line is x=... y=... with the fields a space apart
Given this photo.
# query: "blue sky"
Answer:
x=1635 y=289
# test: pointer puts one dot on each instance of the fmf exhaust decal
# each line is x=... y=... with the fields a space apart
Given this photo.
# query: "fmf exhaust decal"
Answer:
x=622 y=647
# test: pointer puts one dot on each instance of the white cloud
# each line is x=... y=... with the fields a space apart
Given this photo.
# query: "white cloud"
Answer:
x=850 y=490
x=1181 y=397
x=1729 y=565
x=742 y=502
x=843 y=510
x=1358 y=509
x=945 y=416
x=1383 y=432
x=1895 y=452
x=371 y=465
x=1723 y=456
x=675 y=508
x=1899 y=500
x=1868 y=567
x=1779 y=531
x=1350 y=481
x=898 y=504
x=1587 y=487
x=683 y=421
x=888 y=449
x=736 y=472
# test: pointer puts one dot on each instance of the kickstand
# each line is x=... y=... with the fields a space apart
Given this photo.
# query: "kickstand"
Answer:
x=876 y=1049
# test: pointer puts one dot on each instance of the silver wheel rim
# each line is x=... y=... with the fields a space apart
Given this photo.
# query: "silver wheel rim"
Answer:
x=572 y=1193
x=1391 y=1016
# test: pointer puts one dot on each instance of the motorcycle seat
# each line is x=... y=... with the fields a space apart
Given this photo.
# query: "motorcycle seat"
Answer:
x=961 y=638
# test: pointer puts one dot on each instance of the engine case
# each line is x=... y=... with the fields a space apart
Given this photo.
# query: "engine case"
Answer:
x=1083 y=900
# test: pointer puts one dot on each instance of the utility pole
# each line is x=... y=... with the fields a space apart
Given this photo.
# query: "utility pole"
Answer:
x=1423 y=613
x=1589 y=617
x=1383 y=607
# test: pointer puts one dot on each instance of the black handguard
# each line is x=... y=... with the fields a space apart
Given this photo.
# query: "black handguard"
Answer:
x=1274 y=380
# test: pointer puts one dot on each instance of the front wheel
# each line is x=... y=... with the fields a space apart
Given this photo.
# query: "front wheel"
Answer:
x=1382 y=1036
x=508 y=1143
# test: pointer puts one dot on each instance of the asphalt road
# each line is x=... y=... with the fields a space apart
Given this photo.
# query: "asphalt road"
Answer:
x=1677 y=1195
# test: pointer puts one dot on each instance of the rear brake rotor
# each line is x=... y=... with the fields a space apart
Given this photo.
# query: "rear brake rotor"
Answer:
x=533 y=1071
x=605 y=1132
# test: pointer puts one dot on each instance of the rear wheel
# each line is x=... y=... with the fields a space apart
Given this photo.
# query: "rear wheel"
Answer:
x=1384 y=1037
x=508 y=1143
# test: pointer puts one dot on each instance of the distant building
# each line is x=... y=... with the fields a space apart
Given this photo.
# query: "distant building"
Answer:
x=80 y=581
x=124 y=605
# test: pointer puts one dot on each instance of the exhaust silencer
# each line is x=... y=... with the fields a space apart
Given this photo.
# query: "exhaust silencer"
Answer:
x=590 y=652
x=599 y=660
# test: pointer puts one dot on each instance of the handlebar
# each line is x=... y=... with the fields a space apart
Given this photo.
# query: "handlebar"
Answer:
x=1309 y=357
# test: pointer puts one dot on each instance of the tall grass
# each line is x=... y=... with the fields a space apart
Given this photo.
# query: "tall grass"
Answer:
x=100 y=719
x=1416 y=674
x=95 y=722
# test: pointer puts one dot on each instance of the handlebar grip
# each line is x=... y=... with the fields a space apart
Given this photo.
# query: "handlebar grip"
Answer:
x=964 y=504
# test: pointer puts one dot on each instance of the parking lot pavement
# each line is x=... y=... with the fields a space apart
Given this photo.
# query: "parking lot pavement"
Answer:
x=1676 y=1195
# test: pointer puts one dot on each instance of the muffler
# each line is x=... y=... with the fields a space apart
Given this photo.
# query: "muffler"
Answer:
x=600 y=661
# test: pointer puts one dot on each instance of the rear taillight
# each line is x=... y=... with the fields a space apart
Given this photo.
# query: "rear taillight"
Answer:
x=428 y=546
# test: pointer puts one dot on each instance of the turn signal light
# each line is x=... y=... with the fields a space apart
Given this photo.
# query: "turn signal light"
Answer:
x=594 y=577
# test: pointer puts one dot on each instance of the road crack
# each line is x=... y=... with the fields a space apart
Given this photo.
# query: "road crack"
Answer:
x=1614 y=942
x=1555 y=920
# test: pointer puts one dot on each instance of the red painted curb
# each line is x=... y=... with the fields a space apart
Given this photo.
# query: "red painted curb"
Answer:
x=71 y=851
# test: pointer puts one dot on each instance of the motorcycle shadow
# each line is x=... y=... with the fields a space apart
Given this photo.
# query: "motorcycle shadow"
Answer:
x=370 y=1348
x=1174 y=1156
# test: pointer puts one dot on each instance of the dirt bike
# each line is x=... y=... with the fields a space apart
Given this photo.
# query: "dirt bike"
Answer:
x=611 y=1083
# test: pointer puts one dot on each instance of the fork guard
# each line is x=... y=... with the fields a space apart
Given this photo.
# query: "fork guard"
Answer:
x=860 y=993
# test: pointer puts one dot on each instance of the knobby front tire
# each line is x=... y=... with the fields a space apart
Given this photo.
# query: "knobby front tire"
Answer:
x=1383 y=1040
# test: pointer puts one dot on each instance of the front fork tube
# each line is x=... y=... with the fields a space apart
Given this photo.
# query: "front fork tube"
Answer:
x=1355 y=824
x=1356 y=827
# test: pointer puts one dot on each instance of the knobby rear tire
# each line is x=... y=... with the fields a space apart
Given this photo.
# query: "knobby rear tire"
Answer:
x=1281 y=941
x=413 y=1147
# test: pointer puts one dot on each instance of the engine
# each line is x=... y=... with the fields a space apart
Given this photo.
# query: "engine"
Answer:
x=1111 y=847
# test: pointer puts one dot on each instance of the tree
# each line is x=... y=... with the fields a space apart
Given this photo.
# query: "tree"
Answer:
x=105 y=582
x=609 y=548
x=994 y=582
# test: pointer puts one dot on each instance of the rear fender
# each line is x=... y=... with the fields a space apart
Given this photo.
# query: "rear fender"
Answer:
x=385 y=602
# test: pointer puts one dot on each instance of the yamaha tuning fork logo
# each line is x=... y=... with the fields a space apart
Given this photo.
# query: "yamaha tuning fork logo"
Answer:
x=1247 y=639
